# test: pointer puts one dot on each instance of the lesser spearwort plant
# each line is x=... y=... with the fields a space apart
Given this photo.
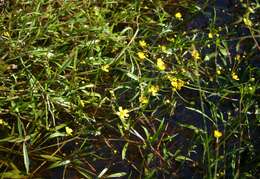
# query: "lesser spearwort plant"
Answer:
x=140 y=89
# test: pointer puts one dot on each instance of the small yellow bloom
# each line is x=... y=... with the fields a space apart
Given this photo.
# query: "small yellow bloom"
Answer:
x=105 y=68
x=142 y=43
x=247 y=21
x=178 y=16
x=210 y=35
x=217 y=134
x=238 y=58
x=1 y=121
x=160 y=64
x=218 y=72
x=82 y=103
x=234 y=76
x=195 y=54
x=141 y=55
x=167 y=101
x=122 y=113
x=163 y=48
x=143 y=100
x=153 y=90
x=177 y=84
x=68 y=130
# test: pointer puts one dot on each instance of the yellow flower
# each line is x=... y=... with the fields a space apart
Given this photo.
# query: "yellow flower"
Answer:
x=195 y=54
x=105 y=68
x=210 y=35
x=6 y=34
x=178 y=16
x=163 y=48
x=141 y=55
x=122 y=113
x=160 y=64
x=247 y=21
x=177 y=84
x=218 y=71
x=143 y=99
x=217 y=134
x=153 y=90
x=68 y=130
x=142 y=43
x=238 y=57
x=234 y=76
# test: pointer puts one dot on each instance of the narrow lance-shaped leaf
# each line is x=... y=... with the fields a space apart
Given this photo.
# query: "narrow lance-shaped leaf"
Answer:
x=26 y=158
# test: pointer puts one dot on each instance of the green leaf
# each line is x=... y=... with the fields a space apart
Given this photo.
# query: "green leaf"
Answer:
x=57 y=134
x=59 y=163
x=124 y=151
x=115 y=175
x=12 y=174
x=102 y=172
x=50 y=157
x=183 y=158
x=131 y=75
x=158 y=132
x=26 y=158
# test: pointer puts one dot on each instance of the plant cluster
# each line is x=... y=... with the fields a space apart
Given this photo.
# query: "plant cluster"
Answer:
x=129 y=89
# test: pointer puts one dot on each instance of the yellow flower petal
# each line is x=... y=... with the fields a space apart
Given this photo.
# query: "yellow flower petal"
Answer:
x=105 y=68
x=153 y=90
x=178 y=16
x=160 y=64
x=142 y=43
x=234 y=76
x=68 y=130
x=141 y=55
x=143 y=100
x=210 y=35
x=217 y=134
x=195 y=54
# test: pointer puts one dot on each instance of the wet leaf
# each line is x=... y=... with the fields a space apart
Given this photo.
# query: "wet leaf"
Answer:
x=115 y=175
x=26 y=158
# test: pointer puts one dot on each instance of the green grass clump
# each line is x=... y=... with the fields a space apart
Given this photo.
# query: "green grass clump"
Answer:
x=129 y=89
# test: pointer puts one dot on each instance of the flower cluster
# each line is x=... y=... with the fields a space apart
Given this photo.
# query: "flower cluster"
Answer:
x=176 y=83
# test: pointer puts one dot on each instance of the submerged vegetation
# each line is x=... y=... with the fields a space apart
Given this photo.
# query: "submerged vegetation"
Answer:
x=129 y=89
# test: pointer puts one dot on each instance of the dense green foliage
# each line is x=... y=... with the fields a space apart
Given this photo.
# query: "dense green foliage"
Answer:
x=131 y=89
